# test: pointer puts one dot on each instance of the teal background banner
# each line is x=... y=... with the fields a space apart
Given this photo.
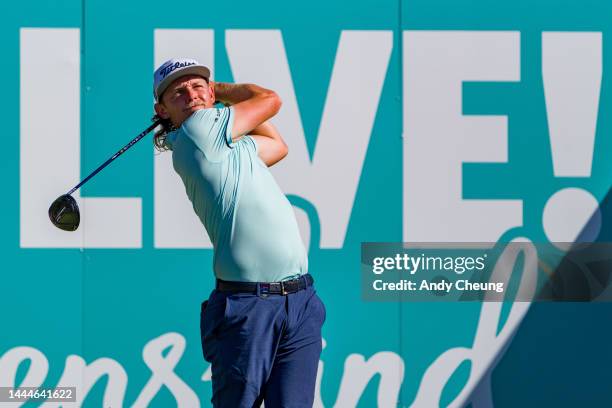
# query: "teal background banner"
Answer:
x=419 y=121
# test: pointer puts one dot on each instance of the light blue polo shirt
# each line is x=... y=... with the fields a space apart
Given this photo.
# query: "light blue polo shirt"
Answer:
x=248 y=218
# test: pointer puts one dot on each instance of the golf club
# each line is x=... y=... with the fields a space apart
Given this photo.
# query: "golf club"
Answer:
x=64 y=211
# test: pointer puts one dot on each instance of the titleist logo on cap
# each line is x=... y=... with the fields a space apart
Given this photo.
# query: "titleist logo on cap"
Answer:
x=173 y=69
x=165 y=71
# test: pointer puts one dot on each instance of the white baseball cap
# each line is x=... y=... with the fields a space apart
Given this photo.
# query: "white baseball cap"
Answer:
x=174 y=68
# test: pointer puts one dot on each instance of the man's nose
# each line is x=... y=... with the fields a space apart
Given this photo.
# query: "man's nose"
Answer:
x=191 y=94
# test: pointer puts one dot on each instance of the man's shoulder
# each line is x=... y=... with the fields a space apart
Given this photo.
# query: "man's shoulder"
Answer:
x=205 y=120
x=210 y=130
x=208 y=113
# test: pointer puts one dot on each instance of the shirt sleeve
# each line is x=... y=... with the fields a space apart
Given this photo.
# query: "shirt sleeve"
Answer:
x=211 y=131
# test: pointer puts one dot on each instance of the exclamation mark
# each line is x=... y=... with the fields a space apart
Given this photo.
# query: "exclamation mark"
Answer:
x=572 y=70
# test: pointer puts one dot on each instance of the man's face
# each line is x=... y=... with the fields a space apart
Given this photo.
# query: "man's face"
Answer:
x=184 y=96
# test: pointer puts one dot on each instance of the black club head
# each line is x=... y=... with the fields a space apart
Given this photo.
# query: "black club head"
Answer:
x=64 y=213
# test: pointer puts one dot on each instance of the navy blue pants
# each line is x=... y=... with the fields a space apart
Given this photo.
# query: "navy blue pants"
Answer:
x=262 y=347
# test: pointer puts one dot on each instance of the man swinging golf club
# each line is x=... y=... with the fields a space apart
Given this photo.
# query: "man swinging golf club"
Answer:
x=261 y=326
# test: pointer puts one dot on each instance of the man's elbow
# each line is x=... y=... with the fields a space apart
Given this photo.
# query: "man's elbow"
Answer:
x=280 y=153
x=275 y=102
x=284 y=151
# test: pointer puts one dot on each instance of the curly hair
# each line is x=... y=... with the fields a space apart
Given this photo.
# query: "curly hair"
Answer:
x=165 y=127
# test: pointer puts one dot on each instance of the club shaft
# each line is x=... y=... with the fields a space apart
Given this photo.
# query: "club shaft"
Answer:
x=119 y=153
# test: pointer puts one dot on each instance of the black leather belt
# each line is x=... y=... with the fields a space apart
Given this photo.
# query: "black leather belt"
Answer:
x=264 y=288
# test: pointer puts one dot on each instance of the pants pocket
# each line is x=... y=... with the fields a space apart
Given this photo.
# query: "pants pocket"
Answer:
x=211 y=318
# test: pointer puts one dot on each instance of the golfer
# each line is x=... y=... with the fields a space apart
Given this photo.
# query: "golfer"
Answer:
x=261 y=325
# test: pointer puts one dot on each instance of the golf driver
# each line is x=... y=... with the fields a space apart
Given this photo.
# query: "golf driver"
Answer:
x=64 y=211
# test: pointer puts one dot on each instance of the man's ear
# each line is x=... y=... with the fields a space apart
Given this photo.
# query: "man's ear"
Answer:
x=211 y=88
x=161 y=111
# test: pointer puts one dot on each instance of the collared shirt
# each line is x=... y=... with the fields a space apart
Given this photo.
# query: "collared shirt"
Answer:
x=248 y=218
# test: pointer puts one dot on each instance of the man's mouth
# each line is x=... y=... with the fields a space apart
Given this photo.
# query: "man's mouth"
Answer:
x=193 y=107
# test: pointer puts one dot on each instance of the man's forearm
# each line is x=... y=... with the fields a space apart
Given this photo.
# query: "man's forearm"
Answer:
x=231 y=94
x=267 y=129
